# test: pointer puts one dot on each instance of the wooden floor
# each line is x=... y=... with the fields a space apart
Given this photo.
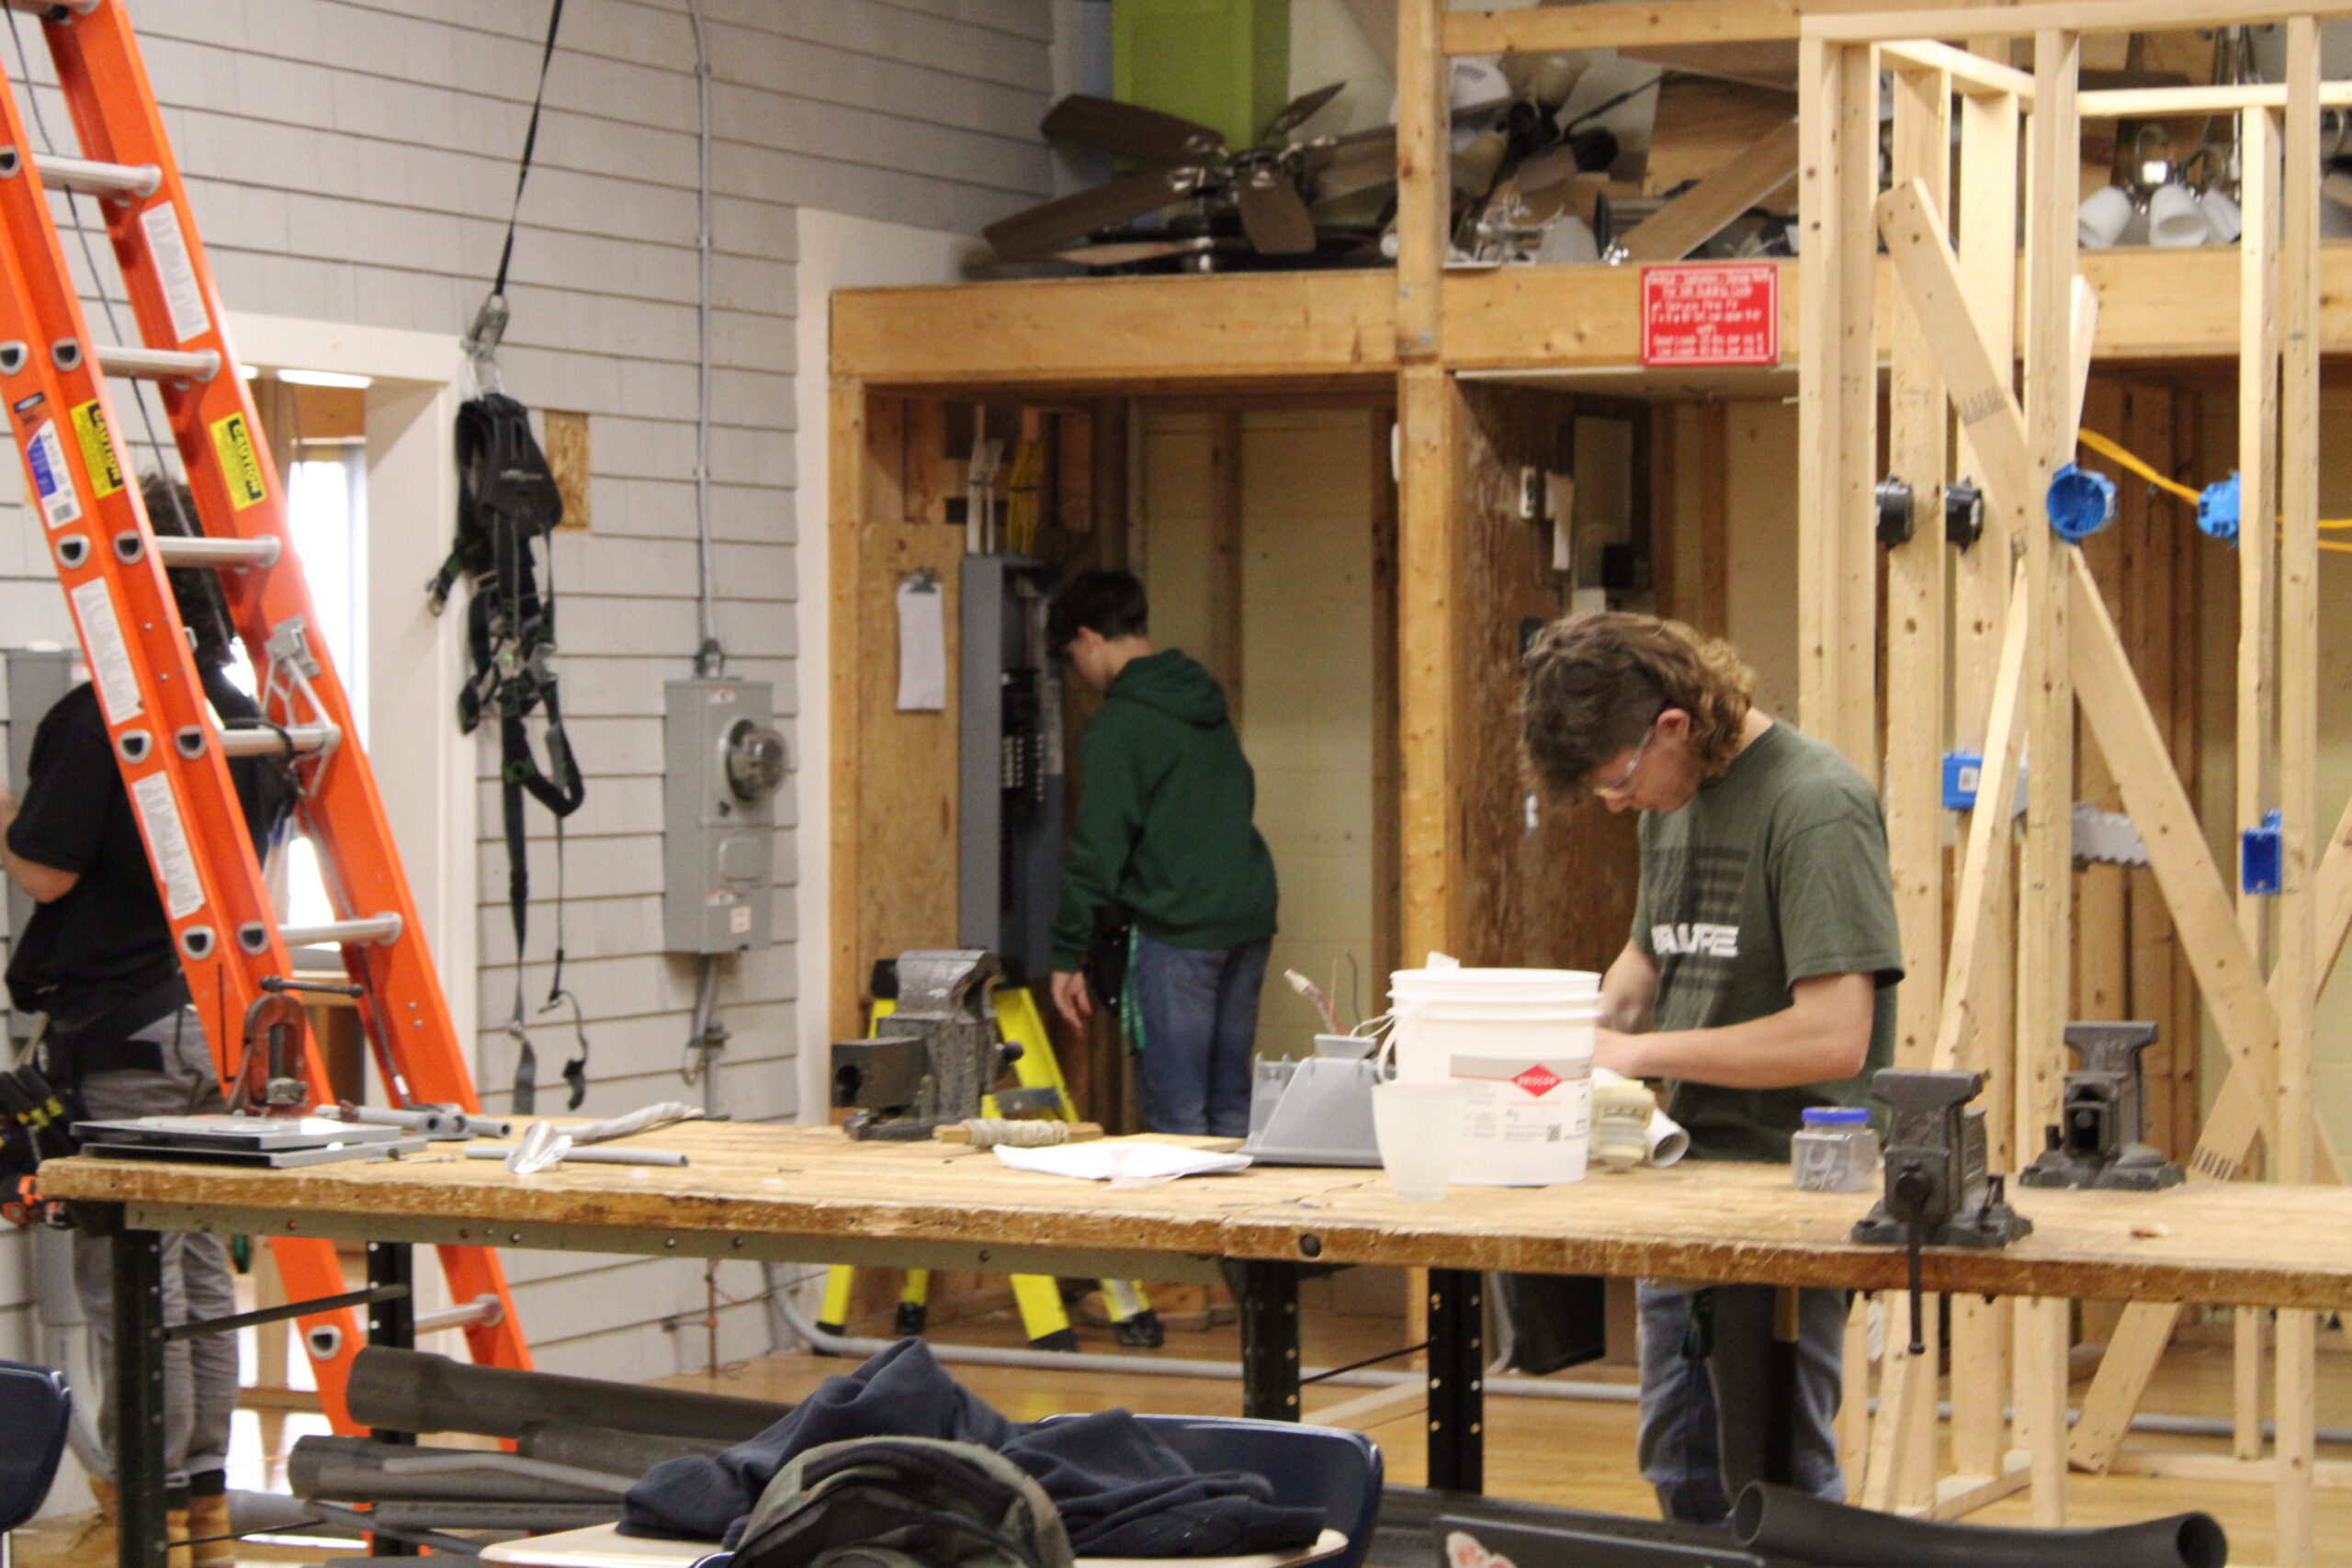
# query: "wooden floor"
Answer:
x=1573 y=1452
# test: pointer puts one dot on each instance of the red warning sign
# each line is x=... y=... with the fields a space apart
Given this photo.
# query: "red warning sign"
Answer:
x=1538 y=1080
x=1713 y=314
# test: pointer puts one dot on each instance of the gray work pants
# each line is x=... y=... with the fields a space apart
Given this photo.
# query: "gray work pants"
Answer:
x=199 y=1374
x=1705 y=1392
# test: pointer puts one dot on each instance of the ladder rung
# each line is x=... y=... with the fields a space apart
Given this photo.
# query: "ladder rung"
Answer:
x=374 y=930
x=158 y=363
x=252 y=741
x=98 y=179
x=175 y=550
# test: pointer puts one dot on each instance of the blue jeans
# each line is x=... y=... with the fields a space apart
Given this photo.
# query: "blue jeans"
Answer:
x=1199 y=1010
x=1704 y=1393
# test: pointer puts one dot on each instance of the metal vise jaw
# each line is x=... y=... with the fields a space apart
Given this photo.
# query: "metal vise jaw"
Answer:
x=2101 y=1137
x=1937 y=1185
x=943 y=1053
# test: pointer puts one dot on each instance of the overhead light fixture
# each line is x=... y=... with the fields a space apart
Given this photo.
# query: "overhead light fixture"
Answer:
x=327 y=379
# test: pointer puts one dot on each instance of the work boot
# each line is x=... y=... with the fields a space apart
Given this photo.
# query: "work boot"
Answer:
x=95 y=1541
x=208 y=1523
x=175 y=1531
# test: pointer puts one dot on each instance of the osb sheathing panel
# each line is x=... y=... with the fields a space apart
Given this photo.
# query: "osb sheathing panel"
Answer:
x=1562 y=897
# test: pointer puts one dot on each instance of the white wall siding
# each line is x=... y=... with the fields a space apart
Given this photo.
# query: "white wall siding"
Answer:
x=353 y=161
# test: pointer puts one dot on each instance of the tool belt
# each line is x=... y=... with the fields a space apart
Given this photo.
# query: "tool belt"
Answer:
x=96 y=1037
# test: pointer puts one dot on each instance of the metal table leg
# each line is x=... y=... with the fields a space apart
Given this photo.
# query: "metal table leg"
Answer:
x=391 y=1322
x=140 y=1505
x=1457 y=1453
x=1269 y=1297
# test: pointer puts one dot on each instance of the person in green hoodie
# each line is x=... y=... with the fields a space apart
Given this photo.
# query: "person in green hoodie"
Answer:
x=1164 y=836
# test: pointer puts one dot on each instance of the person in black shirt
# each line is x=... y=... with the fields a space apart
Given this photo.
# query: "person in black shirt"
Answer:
x=97 y=958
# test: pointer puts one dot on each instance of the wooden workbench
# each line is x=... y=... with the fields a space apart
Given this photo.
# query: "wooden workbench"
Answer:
x=805 y=1193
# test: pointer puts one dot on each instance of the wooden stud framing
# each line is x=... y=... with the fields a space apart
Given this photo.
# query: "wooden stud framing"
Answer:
x=1429 y=643
x=1424 y=172
x=846 y=465
x=1695 y=216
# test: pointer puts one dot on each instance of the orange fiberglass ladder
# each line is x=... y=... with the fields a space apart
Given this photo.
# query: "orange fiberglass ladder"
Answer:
x=173 y=755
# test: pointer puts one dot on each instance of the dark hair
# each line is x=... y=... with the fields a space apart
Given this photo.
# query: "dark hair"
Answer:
x=1596 y=683
x=1108 y=604
x=204 y=609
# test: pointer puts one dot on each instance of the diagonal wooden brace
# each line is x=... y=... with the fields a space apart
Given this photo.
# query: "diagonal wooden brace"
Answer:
x=1985 y=864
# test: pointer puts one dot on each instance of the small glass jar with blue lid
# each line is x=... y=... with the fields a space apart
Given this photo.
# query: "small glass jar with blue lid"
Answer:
x=1836 y=1151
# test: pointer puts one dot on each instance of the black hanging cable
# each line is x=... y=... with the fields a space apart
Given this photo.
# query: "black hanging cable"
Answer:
x=490 y=321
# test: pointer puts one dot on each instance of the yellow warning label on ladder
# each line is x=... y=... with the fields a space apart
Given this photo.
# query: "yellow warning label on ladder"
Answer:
x=239 y=465
x=97 y=449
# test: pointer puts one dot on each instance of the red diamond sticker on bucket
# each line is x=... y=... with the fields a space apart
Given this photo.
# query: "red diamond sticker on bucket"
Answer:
x=1538 y=1080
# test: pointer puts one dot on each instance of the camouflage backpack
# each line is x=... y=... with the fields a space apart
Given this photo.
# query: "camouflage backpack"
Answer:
x=903 y=1502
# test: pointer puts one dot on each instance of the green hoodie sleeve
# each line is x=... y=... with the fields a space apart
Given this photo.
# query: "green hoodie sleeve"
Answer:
x=1110 y=820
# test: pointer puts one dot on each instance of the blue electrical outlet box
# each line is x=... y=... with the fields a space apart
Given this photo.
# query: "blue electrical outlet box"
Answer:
x=2258 y=856
x=1964 y=774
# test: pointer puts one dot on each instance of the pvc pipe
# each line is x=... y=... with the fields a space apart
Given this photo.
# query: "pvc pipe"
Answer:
x=1781 y=1522
x=606 y=1448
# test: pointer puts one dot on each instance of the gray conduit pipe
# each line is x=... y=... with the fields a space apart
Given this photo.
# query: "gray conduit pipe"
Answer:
x=1517 y=1388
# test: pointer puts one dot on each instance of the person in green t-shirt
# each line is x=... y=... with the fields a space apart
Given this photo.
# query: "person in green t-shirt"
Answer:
x=1164 y=840
x=1758 y=979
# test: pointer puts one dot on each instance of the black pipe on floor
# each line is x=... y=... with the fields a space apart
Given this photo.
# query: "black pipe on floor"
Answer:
x=414 y=1391
x=1779 y=1522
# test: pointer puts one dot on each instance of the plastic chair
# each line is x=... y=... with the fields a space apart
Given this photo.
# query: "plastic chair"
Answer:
x=35 y=1408
x=1330 y=1468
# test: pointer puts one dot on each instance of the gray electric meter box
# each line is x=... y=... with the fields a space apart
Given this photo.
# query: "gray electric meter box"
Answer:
x=725 y=764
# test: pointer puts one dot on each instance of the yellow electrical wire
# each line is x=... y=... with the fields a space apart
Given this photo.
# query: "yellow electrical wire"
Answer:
x=2124 y=458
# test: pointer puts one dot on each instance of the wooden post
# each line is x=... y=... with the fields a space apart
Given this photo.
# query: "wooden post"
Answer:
x=2257 y=717
x=1424 y=176
x=2299 y=458
x=1430 y=686
x=1823 y=285
x=1918 y=418
x=2047 y=884
x=1981 y=581
x=846 y=473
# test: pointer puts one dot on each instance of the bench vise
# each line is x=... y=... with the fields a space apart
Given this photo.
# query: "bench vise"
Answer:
x=2099 y=1139
x=1939 y=1192
x=943 y=1051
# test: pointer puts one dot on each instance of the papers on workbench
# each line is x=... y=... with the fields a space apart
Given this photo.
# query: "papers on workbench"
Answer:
x=1121 y=1162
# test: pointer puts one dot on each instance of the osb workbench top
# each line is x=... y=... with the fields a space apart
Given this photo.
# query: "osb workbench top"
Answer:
x=2240 y=1244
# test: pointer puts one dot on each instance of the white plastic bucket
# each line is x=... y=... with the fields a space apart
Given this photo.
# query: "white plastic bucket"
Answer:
x=1520 y=1041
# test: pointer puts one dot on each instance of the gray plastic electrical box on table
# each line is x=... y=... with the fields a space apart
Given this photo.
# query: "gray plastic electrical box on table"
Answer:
x=724 y=764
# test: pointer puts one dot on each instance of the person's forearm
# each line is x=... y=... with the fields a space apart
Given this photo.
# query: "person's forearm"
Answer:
x=1781 y=1050
x=1628 y=990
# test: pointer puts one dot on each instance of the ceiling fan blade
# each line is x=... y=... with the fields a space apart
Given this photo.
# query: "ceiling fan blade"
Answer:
x=1130 y=131
x=1026 y=235
x=1272 y=213
x=1353 y=163
x=1126 y=253
x=1298 y=111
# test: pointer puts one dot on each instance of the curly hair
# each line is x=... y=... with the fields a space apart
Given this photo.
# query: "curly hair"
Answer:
x=1596 y=683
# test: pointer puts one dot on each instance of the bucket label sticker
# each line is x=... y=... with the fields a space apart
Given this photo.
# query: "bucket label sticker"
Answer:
x=1538 y=1080
x=45 y=456
x=240 y=466
x=97 y=449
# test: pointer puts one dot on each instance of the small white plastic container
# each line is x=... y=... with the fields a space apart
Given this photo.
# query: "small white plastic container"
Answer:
x=1520 y=1041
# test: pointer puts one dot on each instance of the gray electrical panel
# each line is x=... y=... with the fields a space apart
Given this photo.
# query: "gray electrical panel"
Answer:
x=725 y=762
x=1009 y=823
x=38 y=677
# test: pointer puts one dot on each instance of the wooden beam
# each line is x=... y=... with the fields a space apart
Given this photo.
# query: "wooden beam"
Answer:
x=1690 y=220
x=1970 y=73
x=2057 y=15
x=1424 y=174
x=1431 y=686
x=845 y=482
x=1990 y=417
x=1635 y=25
x=1852 y=543
x=1916 y=628
x=1822 y=286
x=1977 y=908
x=2117 y=711
x=2163 y=103
x=2046 y=885
x=2296 y=1410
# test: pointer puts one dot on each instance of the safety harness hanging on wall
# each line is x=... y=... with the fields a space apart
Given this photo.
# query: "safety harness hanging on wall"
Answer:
x=508 y=505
